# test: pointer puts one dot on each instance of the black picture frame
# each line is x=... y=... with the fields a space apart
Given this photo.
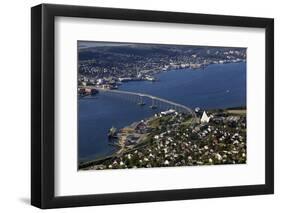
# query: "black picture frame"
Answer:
x=43 y=102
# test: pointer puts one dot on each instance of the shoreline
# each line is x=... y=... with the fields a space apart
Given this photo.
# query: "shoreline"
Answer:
x=143 y=139
x=152 y=73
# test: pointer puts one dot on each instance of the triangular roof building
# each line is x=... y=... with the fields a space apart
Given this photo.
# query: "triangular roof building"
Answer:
x=205 y=118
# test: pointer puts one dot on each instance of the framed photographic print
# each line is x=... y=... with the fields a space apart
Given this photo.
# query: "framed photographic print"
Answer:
x=139 y=106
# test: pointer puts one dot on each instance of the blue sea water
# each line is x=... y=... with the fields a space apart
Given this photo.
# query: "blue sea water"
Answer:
x=216 y=86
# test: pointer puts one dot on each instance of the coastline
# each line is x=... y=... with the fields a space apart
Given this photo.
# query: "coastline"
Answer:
x=212 y=96
x=145 y=139
x=150 y=74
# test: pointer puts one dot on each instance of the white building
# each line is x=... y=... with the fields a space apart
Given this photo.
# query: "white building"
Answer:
x=100 y=81
x=170 y=111
x=205 y=118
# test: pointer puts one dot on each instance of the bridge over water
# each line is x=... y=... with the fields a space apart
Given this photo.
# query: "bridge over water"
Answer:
x=143 y=99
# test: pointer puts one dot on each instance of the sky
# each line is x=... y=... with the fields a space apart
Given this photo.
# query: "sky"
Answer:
x=87 y=44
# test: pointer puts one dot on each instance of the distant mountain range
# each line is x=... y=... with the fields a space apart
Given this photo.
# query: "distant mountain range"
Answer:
x=151 y=50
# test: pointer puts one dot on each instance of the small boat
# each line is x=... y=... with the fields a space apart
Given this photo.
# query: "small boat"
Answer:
x=141 y=103
x=150 y=78
x=153 y=107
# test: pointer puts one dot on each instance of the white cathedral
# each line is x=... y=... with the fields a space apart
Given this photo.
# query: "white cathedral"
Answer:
x=205 y=118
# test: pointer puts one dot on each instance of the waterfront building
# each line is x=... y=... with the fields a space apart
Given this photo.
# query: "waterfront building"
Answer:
x=170 y=111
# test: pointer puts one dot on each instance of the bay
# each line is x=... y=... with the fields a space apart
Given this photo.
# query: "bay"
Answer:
x=216 y=86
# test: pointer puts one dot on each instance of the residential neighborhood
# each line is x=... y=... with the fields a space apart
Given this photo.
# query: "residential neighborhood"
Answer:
x=109 y=66
x=174 y=139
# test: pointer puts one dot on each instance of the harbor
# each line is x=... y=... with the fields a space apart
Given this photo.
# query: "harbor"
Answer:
x=224 y=87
